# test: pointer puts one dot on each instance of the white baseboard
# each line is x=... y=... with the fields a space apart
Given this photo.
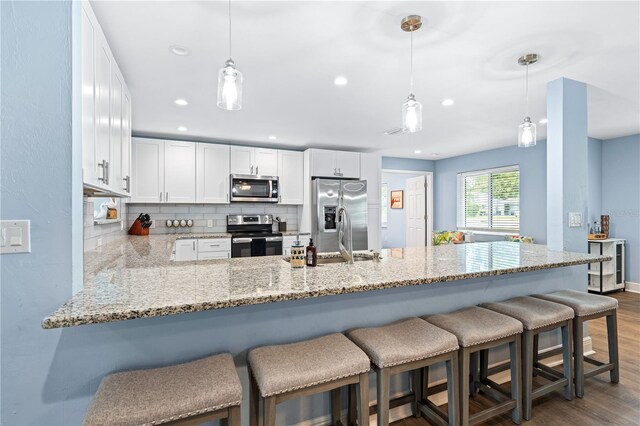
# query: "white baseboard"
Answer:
x=632 y=287
x=405 y=411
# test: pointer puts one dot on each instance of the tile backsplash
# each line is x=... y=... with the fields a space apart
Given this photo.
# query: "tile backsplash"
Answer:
x=97 y=235
x=202 y=213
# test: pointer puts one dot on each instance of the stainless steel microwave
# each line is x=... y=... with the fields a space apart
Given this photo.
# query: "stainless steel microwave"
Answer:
x=254 y=189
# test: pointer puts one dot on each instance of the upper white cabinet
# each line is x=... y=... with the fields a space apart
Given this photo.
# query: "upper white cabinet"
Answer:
x=254 y=161
x=370 y=170
x=340 y=164
x=291 y=177
x=212 y=173
x=106 y=112
x=163 y=171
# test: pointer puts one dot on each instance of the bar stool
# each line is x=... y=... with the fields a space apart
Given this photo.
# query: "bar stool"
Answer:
x=410 y=345
x=538 y=316
x=282 y=372
x=184 y=394
x=478 y=329
x=588 y=307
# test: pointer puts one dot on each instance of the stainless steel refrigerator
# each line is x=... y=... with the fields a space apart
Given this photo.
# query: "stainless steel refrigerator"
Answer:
x=326 y=196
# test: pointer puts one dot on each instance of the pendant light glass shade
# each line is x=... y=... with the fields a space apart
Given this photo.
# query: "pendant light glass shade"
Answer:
x=527 y=133
x=229 y=87
x=411 y=115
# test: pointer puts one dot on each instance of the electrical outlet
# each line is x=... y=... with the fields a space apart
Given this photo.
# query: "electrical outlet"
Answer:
x=15 y=236
x=209 y=223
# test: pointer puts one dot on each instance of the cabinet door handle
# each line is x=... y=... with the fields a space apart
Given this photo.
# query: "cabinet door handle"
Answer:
x=251 y=169
x=107 y=171
x=227 y=197
x=127 y=183
x=257 y=170
x=166 y=198
x=194 y=245
x=103 y=178
x=160 y=196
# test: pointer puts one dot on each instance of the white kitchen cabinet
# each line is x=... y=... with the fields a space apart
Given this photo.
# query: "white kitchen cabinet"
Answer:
x=291 y=174
x=370 y=170
x=608 y=276
x=212 y=173
x=102 y=107
x=147 y=180
x=374 y=227
x=254 y=161
x=266 y=162
x=126 y=141
x=185 y=250
x=340 y=164
x=214 y=245
x=115 y=131
x=88 y=47
x=179 y=172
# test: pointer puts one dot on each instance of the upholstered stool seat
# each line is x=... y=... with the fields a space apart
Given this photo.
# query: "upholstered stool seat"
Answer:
x=588 y=307
x=408 y=345
x=478 y=330
x=537 y=316
x=282 y=372
x=206 y=389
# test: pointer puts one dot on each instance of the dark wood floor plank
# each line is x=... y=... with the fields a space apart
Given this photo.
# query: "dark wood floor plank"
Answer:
x=604 y=403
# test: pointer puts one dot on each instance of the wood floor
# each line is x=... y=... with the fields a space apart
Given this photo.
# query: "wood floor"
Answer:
x=604 y=403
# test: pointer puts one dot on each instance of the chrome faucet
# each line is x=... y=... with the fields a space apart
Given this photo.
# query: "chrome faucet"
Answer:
x=345 y=219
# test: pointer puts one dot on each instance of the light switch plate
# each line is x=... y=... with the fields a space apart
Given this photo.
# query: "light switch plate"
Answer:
x=15 y=236
x=575 y=220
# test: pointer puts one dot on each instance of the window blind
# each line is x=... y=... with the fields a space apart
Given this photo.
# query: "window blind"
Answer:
x=490 y=199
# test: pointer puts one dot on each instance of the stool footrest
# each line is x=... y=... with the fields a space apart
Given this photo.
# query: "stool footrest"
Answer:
x=598 y=370
x=488 y=413
x=548 y=372
x=549 y=387
x=594 y=361
x=493 y=393
x=433 y=413
x=498 y=387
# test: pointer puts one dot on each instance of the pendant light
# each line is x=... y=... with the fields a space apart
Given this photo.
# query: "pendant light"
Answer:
x=527 y=130
x=411 y=109
x=229 y=81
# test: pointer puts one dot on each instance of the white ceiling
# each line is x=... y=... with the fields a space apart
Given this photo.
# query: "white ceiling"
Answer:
x=290 y=53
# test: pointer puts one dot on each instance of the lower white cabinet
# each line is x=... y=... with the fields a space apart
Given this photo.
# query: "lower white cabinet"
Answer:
x=202 y=249
x=610 y=275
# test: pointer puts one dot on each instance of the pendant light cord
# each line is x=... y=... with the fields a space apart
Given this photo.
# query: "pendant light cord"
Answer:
x=229 y=29
x=526 y=90
x=411 y=64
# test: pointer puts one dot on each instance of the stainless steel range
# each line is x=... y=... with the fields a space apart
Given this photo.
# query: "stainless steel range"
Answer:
x=252 y=235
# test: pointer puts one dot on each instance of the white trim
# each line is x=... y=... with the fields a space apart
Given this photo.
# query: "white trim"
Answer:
x=632 y=287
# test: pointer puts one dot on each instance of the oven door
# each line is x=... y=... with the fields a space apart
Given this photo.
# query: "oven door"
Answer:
x=254 y=189
x=260 y=246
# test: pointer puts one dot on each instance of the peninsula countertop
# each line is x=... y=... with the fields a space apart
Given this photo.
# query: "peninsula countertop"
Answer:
x=135 y=278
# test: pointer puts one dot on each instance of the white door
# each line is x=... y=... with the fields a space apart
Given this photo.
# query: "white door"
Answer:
x=115 y=130
x=126 y=141
x=323 y=163
x=348 y=164
x=242 y=160
x=416 y=203
x=89 y=160
x=179 y=172
x=102 y=104
x=147 y=180
x=290 y=172
x=266 y=162
x=212 y=173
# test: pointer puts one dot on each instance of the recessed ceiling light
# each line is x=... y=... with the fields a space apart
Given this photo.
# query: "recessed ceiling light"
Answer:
x=417 y=151
x=340 y=81
x=447 y=102
x=179 y=50
x=181 y=102
x=273 y=137
x=435 y=154
x=543 y=121
x=182 y=129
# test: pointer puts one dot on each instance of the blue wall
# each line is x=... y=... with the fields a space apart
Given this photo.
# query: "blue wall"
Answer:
x=394 y=163
x=621 y=196
x=395 y=234
x=533 y=181
x=594 y=176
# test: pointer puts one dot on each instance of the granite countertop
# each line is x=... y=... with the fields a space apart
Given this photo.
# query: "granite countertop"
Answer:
x=135 y=278
x=212 y=235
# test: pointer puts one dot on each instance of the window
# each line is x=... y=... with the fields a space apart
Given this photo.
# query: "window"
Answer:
x=384 y=200
x=489 y=200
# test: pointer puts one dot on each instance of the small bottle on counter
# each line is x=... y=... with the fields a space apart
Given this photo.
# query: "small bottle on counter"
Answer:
x=297 y=254
x=312 y=254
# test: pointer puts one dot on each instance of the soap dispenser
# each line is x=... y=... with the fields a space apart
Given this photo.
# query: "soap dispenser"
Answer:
x=312 y=254
x=297 y=254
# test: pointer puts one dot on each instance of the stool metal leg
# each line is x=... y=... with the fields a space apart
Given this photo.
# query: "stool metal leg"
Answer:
x=578 y=356
x=527 y=372
x=612 y=338
x=516 y=375
x=254 y=401
x=383 y=396
x=567 y=350
x=463 y=391
x=363 y=399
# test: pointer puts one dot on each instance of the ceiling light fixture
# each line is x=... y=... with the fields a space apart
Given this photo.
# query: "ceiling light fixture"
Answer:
x=182 y=129
x=179 y=50
x=340 y=81
x=273 y=137
x=447 y=102
x=543 y=121
x=181 y=102
x=229 y=81
x=411 y=109
x=527 y=130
